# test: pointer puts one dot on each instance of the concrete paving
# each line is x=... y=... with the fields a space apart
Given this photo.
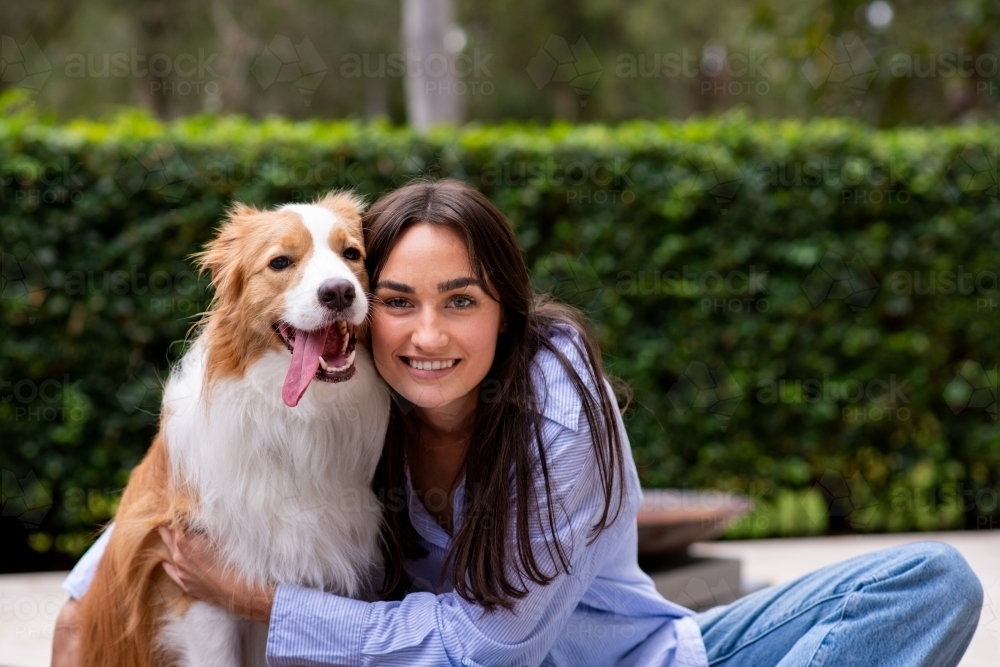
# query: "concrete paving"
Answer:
x=29 y=603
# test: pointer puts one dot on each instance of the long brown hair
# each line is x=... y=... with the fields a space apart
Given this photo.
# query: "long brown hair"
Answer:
x=506 y=433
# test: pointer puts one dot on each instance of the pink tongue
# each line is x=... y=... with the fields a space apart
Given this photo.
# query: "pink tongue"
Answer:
x=306 y=350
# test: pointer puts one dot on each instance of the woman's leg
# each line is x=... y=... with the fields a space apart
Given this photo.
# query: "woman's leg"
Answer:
x=914 y=606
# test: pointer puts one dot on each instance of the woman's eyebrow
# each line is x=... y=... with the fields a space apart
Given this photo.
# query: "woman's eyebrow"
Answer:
x=459 y=283
x=393 y=285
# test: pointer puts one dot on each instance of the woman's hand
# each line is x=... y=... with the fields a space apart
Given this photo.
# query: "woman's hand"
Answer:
x=193 y=567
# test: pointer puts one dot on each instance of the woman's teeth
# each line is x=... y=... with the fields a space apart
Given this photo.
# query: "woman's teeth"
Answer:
x=347 y=364
x=431 y=365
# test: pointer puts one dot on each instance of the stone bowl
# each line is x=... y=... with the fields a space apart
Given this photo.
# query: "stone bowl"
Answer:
x=671 y=520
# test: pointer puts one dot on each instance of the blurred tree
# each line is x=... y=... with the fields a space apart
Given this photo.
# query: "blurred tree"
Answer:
x=430 y=40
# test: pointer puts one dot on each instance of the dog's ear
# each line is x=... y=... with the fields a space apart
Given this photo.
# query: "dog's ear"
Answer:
x=220 y=256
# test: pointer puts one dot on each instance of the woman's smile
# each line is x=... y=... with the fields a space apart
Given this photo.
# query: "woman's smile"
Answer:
x=429 y=368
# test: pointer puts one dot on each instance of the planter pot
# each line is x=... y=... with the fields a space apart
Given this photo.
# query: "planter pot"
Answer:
x=671 y=520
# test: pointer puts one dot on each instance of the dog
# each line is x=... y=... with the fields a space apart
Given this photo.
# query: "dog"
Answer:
x=271 y=428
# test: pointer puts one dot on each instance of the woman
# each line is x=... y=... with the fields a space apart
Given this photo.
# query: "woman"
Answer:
x=516 y=543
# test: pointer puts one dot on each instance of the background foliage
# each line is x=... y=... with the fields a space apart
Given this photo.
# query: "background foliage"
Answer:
x=916 y=61
x=776 y=293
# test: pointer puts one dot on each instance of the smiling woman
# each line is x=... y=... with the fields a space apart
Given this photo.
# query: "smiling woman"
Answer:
x=456 y=330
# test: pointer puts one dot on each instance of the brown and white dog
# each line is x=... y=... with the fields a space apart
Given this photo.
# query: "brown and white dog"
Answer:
x=271 y=429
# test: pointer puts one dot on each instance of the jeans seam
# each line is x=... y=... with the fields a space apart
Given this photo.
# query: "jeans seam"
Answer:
x=776 y=626
x=826 y=637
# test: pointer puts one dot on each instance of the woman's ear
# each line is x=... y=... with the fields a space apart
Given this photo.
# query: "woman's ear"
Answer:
x=503 y=324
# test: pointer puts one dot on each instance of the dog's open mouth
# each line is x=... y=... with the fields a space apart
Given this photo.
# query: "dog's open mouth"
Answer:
x=325 y=354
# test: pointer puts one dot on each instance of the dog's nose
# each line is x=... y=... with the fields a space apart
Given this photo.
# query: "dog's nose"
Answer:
x=336 y=294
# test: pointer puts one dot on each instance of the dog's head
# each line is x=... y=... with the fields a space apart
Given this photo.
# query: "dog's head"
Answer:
x=291 y=279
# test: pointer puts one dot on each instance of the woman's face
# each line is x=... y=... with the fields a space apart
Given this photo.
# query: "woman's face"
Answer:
x=435 y=328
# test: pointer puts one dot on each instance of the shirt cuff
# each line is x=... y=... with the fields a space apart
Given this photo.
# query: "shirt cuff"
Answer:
x=690 y=644
x=315 y=629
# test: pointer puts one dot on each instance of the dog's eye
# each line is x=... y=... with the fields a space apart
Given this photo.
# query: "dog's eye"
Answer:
x=352 y=254
x=279 y=263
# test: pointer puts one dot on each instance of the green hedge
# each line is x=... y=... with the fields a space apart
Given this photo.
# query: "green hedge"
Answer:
x=777 y=294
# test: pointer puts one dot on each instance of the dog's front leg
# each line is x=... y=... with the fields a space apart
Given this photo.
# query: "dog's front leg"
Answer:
x=205 y=636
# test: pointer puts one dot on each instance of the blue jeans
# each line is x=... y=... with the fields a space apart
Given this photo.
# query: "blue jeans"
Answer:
x=915 y=605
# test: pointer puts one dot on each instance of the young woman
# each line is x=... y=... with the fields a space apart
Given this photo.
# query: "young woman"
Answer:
x=516 y=540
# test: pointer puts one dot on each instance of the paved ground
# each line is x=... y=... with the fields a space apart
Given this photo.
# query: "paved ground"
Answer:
x=29 y=603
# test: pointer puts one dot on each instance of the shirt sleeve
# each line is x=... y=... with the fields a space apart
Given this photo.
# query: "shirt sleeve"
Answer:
x=82 y=574
x=311 y=627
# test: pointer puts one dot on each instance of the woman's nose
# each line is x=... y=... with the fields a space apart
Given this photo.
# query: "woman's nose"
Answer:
x=429 y=334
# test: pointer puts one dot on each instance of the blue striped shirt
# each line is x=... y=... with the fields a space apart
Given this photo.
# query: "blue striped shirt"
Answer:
x=605 y=611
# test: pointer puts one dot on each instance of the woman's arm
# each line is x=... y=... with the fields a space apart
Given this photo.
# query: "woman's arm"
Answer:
x=195 y=568
x=66 y=636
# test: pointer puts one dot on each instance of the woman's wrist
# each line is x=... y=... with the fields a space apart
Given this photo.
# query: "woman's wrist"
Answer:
x=255 y=603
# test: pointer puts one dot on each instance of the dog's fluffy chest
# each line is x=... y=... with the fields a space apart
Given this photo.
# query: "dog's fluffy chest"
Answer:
x=284 y=491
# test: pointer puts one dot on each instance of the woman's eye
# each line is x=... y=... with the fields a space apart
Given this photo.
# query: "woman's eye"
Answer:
x=462 y=302
x=352 y=254
x=396 y=303
x=279 y=263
